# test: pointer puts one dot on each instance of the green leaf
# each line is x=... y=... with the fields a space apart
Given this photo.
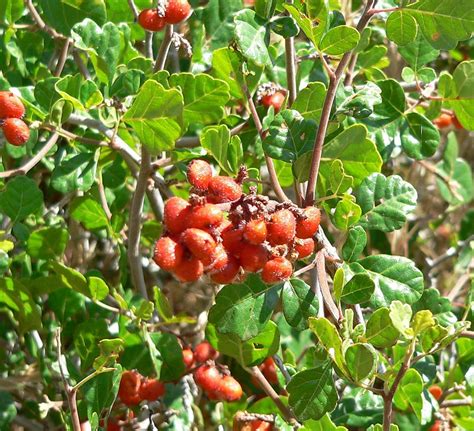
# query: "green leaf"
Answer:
x=355 y=244
x=409 y=392
x=339 y=40
x=420 y=138
x=170 y=356
x=244 y=309
x=422 y=321
x=7 y=408
x=392 y=106
x=109 y=352
x=98 y=289
x=11 y=11
x=385 y=202
x=127 y=83
x=47 y=243
x=225 y=149
x=248 y=353
x=395 y=278
x=358 y=102
x=156 y=115
x=323 y=424
x=75 y=172
x=309 y=102
x=401 y=27
x=87 y=336
x=89 y=212
x=457 y=185
x=361 y=360
x=83 y=94
x=251 y=37
x=162 y=305
x=400 y=315
x=312 y=393
x=299 y=303
x=358 y=289
x=20 y=198
x=418 y=53
x=347 y=213
x=284 y=26
x=312 y=32
x=380 y=331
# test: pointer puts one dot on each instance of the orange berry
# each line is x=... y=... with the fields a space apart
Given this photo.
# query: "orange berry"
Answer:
x=16 y=131
x=224 y=189
x=233 y=240
x=443 y=121
x=11 y=106
x=168 y=253
x=204 y=351
x=177 y=11
x=276 y=270
x=229 y=389
x=436 y=426
x=304 y=247
x=308 y=226
x=199 y=174
x=221 y=258
x=227 y=274
x=188 y=358
x=150 y=20
x=281 y=228
x=276 y=100
x=269 y=370
x=176 y=214
x=151 y=389
x=129 y=387
x=201 y=244
x=436 y=391
x=208 y=377
x=255 y=232
x=190 y=269
x=204 y=216
x=253 y=257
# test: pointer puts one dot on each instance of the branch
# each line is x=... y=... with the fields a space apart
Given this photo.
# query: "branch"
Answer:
x=164 y=49
x=450 y=253
x=456 y=403
x=194 y=141
x=134 y=9
x=23 y=170
x=290 y=66
x=41 y=24
x=325 y=290
x=62 y=58
x=281 y=366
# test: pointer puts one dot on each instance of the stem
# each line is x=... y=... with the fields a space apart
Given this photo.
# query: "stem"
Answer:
x=90 y=377
x=134 y=9
x=290 y=67
x=281 y=366
x=350 y=70
x=164 y=49
x=325 y=290
x=80 y=64
x=62 y=58
x=41 y=24
x=376 y=11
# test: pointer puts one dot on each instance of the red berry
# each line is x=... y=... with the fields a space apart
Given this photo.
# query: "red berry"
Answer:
x=176 y=214
x=281 y=228
x=10 y=106
x=129 y=387
x=436 y=391
x=112 y=425
x=276 y=100
x=151 y=389
x=229 y=389
x=221 y=259
x=227 y=274
x=201 y=244
x=304 y=247
x=269 y=371
x=276 y=270
x=208 y=377
x=16 y=131
x=456 y=122
x=255 y=232
x=204 y=216
x=253 y=257
x=443 y=121
x=204 y=351
x=233 y=240
x=177 y=11
x=436 y=426
x=224 y=189
x=188 y=358
x=190 y=269
x=150 y=20
x=199 y=174
x=168 y=253
x=308 y=226
x=259 y=425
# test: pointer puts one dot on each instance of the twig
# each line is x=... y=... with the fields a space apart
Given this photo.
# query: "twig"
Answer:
x=290 y=66
x=350 y=70
x=194 y=141
x=164 y=49
x=314 y=285
x=468 y=334
x=80 y=64
x=23 y=170
x=376 y=11
x=450 y=391
x=325 y=290
x=134 y=9
x=103 y=198
x=456 y=403
x=41 y=24
x=62 y=58
x=281 y=366
x=450 y=253
x=149 y=44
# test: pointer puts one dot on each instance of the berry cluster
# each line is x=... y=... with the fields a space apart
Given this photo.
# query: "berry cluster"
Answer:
x=135 y=388
x=252 y=235
x=174 y=12
x=271 y=95
x=12 y=110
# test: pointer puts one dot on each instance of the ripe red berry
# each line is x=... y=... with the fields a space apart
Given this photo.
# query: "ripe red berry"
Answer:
x=281 y=228
x=227 y=274
x=276 y=100
x=224 y=189
x=443 y=121
x=177 y=11
x=168 y=253
x=176 y=214
x=204 y=351
x=201 y=244
x=190 y=269
x=253 y=257
x=304 y=247
x=10 y=106
x=188 y=358
x=255 y=232
x=436 y=426
x=259 y=425
x=276 y=270
x=112 y=425
x=457 y=123
x=269 y=370
x=233 y=240
x=436 y=391
x=308 y=226
x=229 y=389
x=16 y=131
x=150 y=20
x=199 y=174
x=129 y=387
x=208 y=377
x=151 y=389
x=221 y=258
x=204 y=216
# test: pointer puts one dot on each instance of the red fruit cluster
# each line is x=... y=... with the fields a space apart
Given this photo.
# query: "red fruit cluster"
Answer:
x=175 y=12
x=135 y=388
x=271 y=94
x=216 y=385
x=250 y=236
x=203 y=352
x=12 y=110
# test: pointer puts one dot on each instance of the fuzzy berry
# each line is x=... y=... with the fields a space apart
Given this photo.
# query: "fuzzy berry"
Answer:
x=281 y=228
x=201 y=244
x=276 y=270
x=199 y=174
x=253 y=257
x=229 y=389
x=276 y=100
x=224 y=189
x=204 y=216
x=436 y=426
x=259 y=425
x=177 y=11
x=255 y=232
x=188 y=358
x=129 y=387
x=220 y=260
x=10 y=106
x=176 y=214
x=233 y=240
x=436 y=391
x=443 y=121
x=168 y=253
x=150 y=20
x=16 y=131
x=227 y=274
x=190 y=269
x=151 y=389
x=204 y=352
x=304 y=247
x=208 y=377
x=309 y=224
x=269 y=370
